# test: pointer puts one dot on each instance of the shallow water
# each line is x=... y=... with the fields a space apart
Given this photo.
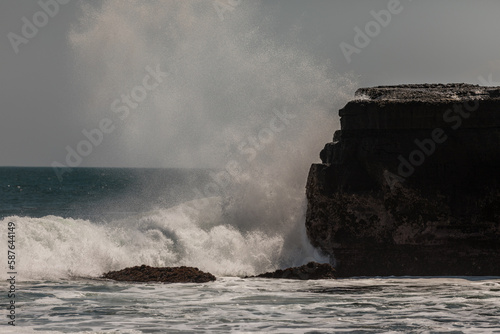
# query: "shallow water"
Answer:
x=235 y=305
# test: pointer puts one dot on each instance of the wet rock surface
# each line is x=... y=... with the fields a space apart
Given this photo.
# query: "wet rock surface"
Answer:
x=164 y=275
x=410 y=185
x=312 y=270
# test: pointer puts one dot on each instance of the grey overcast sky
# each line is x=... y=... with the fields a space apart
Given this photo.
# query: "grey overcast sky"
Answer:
x=229 y=62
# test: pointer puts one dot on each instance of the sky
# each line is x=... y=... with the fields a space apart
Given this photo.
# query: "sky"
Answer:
x=208 y=76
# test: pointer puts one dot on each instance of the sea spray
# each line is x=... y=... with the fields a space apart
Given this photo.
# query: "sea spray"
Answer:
x=53 y=247
x=226 y=81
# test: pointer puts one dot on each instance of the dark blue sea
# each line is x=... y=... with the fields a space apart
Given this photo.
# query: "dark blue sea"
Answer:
x=69 y=232
x=94 y=193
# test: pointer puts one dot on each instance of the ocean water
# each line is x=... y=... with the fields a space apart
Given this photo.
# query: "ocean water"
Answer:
x=233 y=94
x=69 y=233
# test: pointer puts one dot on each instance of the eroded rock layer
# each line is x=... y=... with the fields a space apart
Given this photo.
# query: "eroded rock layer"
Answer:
x=410 y=185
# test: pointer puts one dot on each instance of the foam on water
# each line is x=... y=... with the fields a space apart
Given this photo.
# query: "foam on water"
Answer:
x=234 y=305
x=53 y=247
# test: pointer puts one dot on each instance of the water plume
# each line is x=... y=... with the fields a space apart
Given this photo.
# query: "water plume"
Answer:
x=232 y=96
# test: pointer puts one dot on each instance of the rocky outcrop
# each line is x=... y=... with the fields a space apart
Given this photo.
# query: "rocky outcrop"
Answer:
x=410 y=185
x=312 y=270
x=164 y=275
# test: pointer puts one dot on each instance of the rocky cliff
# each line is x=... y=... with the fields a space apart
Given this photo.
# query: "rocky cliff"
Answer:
x=410 y=185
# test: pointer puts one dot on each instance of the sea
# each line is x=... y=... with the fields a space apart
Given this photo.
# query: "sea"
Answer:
x=68 y=232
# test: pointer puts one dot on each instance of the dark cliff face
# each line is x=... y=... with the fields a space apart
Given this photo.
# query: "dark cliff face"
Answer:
x=411 y=183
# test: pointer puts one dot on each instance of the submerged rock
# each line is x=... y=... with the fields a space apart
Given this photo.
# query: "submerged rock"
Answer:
x=165 y=275
x=410 y=185
x=312 y=270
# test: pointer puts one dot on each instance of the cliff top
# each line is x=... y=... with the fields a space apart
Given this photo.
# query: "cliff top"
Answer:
x=431 y=93
x=422 y=106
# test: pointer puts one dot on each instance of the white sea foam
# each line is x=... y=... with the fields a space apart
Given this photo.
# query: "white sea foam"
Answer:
x=53 y=247
x=234 y=305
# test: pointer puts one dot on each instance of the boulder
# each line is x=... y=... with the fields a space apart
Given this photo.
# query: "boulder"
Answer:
x=312 y=270
x=164 y=275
